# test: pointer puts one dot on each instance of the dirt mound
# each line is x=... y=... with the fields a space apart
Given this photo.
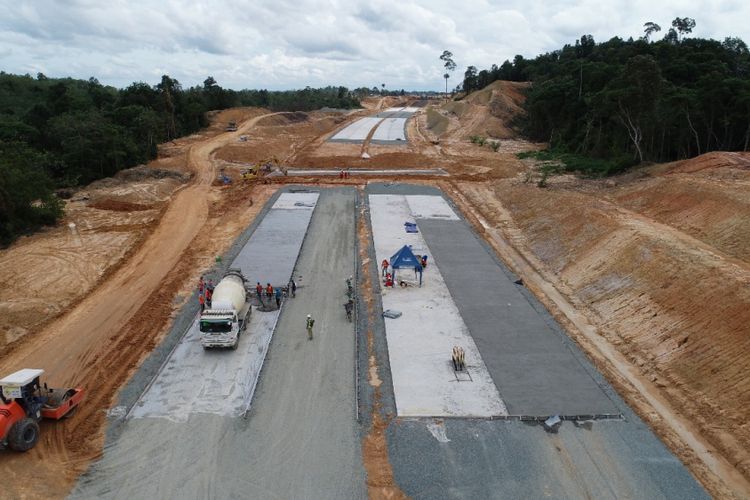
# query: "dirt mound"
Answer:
x=707 y=197
x=118 y=205
x=139 y=173
x=715 y=160
x=489 y=112
x=283 y=119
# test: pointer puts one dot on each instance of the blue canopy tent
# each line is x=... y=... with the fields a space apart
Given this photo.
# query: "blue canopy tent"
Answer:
x=405 y=259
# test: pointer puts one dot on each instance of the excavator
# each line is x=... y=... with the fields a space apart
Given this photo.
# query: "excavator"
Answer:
x=24 y=402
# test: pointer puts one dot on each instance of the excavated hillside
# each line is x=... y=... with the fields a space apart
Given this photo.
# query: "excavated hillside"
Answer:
x=658 y=260
x=487 y=113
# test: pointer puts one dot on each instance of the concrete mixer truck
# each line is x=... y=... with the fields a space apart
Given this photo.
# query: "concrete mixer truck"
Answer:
x=222 y=324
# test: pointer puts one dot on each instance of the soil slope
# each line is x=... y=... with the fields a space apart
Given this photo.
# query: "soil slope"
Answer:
x=657 y=260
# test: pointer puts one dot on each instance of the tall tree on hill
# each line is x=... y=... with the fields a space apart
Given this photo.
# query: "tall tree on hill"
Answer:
x=649 y=29
x=168 y=87
x=449 y=65
x=683 y=25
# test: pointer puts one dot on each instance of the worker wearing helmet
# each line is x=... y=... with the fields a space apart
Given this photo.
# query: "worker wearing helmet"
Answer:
x=309 y=324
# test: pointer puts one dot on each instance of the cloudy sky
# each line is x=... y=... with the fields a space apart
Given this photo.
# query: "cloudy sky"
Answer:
x=282 y=44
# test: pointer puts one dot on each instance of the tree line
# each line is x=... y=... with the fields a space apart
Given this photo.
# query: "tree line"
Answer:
x=630 y=101
x=57 y=133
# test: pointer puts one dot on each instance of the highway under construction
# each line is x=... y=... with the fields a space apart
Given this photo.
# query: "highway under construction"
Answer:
x=300 y=433
x=553 y=395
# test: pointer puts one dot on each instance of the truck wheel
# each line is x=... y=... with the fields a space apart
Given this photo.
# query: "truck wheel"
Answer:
x=24 y=434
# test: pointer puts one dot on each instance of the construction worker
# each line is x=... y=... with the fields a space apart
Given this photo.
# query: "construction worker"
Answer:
x=384 y=265
x=309 y=325
x=201 y=285
x=388 y=280
x=259 y=292
x=202 y=302
x=293 y=287
x=278 y=298
x=210 y=285
x=424 y=261
x=269 y=291
x=209 y=294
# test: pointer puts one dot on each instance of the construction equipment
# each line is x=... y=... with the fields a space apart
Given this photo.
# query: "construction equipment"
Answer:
x=231 y=127
x=222 y=325
x=248 y=174
x=25 y=402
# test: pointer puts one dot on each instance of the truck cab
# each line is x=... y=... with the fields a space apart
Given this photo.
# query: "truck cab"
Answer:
x=222 y=324
x=222 y=327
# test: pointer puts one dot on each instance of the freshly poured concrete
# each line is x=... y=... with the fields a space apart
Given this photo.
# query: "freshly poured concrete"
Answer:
x=391 y=129
x=535 y=372
x=222 y=382
x=421 y=340
x=357 y=131
x=217 y=381
x=270 y=254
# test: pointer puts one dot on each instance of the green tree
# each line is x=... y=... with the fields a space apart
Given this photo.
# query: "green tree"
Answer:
x=470 y=79
x=649 y=29
x=683 y=25
x=449 y=65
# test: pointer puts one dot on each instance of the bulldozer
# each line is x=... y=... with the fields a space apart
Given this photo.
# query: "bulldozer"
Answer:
x=248 y=174
x=24 y=402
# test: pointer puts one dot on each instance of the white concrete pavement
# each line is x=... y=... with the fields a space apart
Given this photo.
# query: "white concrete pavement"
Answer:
x=420 y=342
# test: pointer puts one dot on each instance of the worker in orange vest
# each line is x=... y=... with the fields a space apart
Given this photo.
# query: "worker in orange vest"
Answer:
x=269 y=291
x=202 y=302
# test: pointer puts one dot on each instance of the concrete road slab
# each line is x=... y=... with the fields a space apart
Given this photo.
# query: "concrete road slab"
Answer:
x=420 y=342
x=271 y=253
x=430 y=207
x=220 y=382
x=316 y=172
x=357 y=131
x=391 y=129
x=296 y=201
x=534 y=370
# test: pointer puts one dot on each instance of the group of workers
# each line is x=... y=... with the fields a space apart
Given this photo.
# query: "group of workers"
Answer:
x=277 y=293
x=344 y=174
x=205 y=292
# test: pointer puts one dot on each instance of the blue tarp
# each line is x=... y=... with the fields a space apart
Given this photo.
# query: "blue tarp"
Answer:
x=405 y=259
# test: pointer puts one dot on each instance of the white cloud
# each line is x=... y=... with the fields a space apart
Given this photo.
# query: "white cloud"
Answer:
x=293 y=43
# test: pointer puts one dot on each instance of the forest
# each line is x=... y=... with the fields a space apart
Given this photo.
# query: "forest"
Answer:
x=57 y=133
x=632 y=101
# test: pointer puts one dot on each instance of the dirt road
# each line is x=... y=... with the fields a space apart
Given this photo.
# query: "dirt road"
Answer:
x=91 y=347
